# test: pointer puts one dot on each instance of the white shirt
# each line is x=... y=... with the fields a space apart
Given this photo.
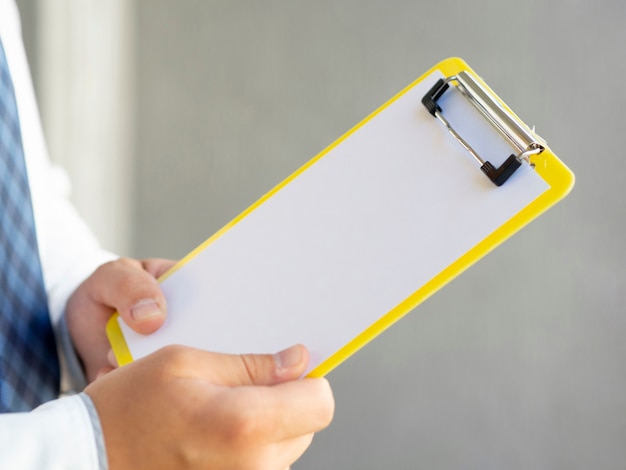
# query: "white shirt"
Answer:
x=59 y=434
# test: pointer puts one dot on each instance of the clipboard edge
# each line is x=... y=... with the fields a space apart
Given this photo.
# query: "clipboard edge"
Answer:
x=544 y=202
x=552 y=170
x=118 y=342
x=557 y=175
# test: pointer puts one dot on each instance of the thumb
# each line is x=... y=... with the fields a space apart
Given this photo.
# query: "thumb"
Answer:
x=135 y=293
x=262 y=369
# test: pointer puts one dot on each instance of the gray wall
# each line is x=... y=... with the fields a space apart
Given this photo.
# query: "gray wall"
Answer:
x=517 y=364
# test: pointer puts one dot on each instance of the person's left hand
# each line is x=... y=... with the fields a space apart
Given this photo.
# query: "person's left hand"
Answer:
x=127 y=286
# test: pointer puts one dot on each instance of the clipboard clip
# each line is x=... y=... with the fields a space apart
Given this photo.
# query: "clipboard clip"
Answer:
x=507 y=125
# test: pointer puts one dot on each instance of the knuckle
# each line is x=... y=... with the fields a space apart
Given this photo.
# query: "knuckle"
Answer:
x=242 y=431
x=174 y=359
x=126 y=262
x=250 y=367
x=117 y=264
x=123 y=269
x=258 y=369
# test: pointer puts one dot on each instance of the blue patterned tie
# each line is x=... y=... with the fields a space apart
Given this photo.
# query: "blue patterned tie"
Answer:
x=29 y=367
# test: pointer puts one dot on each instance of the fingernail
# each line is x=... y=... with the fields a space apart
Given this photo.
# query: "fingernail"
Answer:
x=288 y=358
x=145 y=309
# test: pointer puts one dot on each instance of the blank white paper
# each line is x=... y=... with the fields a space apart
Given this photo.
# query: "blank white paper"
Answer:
x=347 y=240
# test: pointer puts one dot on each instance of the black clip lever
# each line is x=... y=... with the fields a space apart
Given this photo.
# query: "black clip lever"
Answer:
x=498 y=175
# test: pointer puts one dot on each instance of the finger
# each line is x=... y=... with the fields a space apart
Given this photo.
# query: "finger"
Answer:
x=269 y=411
x=294 y=448
x=104 y=371
x=112 y=359
x=265 y=369
x=157 y=266
x=287 y=452
x=310 y=399
x=232 y=370
x=125 y=286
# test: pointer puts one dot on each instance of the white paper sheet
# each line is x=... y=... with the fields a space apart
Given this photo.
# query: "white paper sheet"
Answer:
x=347 y=240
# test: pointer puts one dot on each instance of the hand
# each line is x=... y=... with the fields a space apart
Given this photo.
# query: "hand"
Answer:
x=127 y=286
x=185 y=408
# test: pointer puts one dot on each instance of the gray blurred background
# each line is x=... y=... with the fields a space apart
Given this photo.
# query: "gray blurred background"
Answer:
x=517 y=364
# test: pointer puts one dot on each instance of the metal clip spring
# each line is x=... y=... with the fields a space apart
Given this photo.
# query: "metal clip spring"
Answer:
x=516 y=133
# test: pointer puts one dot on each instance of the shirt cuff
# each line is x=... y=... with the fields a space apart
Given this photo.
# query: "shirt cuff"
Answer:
x=72 y=366
x=97 y=431
x=60 y=434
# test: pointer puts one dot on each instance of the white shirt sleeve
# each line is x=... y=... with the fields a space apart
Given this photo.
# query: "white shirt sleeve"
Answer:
x=61 y=434
x=56 y=436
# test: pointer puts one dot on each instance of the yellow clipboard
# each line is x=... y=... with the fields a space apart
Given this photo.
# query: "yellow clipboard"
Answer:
x=364 y=232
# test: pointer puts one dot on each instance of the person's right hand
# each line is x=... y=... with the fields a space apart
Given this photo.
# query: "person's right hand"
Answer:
x=184 y=408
